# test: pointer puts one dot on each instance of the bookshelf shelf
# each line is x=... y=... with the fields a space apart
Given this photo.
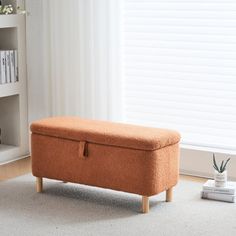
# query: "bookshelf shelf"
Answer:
x=11 y=21
x=6 y=148
x=10 y=89
x=8 y=152
x=13 y=95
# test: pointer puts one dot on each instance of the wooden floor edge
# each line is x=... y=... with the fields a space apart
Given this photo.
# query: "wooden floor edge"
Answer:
x=15 y=168
x=192 y=178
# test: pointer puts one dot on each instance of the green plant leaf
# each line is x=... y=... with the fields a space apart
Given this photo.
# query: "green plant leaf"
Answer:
x=224 y=167
x=221 y=166
x=215 y=164
x=215 y=168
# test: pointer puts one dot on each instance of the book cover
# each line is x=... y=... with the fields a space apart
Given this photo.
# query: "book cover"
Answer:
x=3 y=66
x=218 y=196
x=12 y=66
x=16 y=66
x=209 y=186
x=8 y=70
x=0 y=76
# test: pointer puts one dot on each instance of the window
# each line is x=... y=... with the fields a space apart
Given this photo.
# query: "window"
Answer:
x=180 y=68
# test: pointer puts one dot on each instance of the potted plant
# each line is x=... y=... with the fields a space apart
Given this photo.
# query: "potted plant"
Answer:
x=6 y=9
x=220 y=175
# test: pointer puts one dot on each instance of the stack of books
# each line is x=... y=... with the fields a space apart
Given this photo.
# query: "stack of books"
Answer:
x=226 y=194
x=8 y=66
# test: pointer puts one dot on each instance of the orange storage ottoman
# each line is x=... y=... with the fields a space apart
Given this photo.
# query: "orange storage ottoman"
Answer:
x=121 y=157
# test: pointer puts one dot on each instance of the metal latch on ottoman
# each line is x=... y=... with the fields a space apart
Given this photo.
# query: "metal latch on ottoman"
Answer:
x=121 y=157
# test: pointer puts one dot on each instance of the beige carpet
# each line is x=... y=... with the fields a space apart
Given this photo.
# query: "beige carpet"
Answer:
x=69 y=209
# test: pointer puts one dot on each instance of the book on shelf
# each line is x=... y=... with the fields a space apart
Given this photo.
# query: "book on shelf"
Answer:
x=12 y=65
x=8 y=66
x=16 y=66
x=3 y=67
x=8 y=70
x=218 y=196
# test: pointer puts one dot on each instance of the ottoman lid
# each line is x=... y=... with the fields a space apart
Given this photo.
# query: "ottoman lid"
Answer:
x=106 y=133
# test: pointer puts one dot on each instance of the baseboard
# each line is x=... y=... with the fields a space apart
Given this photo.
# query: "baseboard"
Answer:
x=13 y=160
x=199 y=163
x=195 y=173
x=201 y=174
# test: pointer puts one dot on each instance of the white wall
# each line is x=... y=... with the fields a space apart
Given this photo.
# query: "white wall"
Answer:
x=199 y=163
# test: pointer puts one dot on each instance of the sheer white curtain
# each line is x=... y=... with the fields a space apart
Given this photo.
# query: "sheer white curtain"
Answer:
x=179 y=69
x=73 y=58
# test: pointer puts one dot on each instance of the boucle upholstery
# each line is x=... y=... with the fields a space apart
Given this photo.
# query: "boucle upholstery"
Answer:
x=122 y=157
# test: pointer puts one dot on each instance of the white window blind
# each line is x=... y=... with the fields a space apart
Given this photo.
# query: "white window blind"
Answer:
x=180 y=68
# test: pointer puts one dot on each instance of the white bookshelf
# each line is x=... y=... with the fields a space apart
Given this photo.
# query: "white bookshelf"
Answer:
x=13 y=96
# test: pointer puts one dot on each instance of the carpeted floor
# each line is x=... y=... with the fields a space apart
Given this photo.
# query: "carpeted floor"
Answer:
x=69 y=209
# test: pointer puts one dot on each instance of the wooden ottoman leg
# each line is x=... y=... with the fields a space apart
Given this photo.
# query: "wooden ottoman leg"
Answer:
x=169 y=194
x=145 y=204
x=39 y=184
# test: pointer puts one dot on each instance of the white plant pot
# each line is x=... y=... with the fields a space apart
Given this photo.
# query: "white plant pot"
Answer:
x=220 y=179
